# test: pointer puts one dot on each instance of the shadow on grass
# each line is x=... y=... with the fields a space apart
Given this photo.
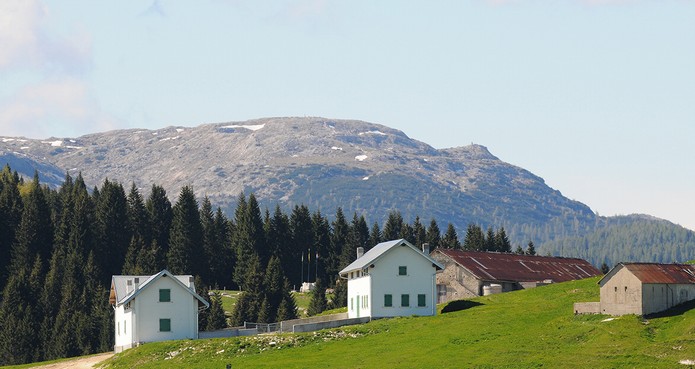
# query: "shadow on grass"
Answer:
x=459 y=305
x=674 y=311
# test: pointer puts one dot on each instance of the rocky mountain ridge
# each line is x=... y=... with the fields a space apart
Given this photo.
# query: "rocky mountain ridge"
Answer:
x=324 y=163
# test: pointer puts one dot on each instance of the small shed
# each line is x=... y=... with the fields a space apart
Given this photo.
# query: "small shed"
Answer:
x=154 y=308
x=394 y=278
x=646 y=288
x=475 y=273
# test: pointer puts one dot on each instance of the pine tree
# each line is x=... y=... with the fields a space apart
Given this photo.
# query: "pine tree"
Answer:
x=419 y=233
x=273 y=283
x=10 y=216
x=137 y=215
x=339 y=241
x=450 y=239
x=358 y=236
x=340 y=294
x=433 y=235
x=216 y=318
x=393 y=226
x=375 y=237
x=490 y=240
x=247 y=306
x=212 y=247
x=605 y=268
x=502 y=243
x=519 y=250
x=113 y=229
x=301 y=230
x=408 y=233
x=318 y=302
x=320 y=245
x=288 y=306
x=530 y=249
x=159 y=215
x=475 y=238
x=186 y=237
x=248 y=238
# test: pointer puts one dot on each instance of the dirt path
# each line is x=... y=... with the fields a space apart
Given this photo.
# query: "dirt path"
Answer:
x=80 y=363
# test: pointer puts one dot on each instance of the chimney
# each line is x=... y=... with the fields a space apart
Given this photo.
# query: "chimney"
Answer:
x=191 y=283
x=360 y=252
x=129 y=286
x=426 y=248
x=136 y=282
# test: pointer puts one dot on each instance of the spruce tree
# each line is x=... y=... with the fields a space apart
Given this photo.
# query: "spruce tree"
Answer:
x=502 y=243
x=475 y=238
x=393 y=226
x=113 y=229
x=288 y=306
x=318 y=302
x=339 y=241
x=419 y=233
x=301 y=230
x=450 y=239
x=375 y=237
x=358 y=236
x=216 y=319
x=137 y=215
x=530 y=249
x=340 y=294
x=320 y=246
x=433 y=235
x=186 y=238
x=10 y=216
x=160 y=215
x=273 y=283
x=490 y=240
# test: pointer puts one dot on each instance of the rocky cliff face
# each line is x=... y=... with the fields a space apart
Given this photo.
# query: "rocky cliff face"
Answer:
x=323 y=163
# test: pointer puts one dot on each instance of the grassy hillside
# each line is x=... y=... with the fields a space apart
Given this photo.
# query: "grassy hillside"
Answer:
x=526 y=329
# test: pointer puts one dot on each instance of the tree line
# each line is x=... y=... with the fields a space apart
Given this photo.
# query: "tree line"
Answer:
x=60 y=247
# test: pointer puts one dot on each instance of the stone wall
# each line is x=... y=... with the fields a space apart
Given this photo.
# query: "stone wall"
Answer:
x=587 y=308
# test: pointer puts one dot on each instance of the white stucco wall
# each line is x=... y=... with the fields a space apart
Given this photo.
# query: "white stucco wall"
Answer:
x=140 y=323
x=383 y=279
x=621 y=293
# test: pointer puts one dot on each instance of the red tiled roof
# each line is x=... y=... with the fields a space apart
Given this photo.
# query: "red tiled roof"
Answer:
x=662 y=273
x=521 y=268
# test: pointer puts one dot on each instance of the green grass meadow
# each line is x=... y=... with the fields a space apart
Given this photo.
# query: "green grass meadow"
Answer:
x=533 y=328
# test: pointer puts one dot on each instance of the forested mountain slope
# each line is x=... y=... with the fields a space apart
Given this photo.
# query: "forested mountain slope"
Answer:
x=362 y=167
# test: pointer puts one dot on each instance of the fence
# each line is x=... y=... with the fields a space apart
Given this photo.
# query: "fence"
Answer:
x=262 y=327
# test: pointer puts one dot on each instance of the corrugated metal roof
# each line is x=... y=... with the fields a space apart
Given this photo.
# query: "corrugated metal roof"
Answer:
x=662 y=273
x=377 y=251
x=520 y=268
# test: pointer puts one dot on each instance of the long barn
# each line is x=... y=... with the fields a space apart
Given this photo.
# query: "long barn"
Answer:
x=475 y=273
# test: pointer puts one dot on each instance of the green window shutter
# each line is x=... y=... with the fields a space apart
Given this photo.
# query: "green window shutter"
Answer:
x=421 y=300
x=164 y=295
x=405 y=300
x=388 y=300
x=402 y=270
x=165 y=325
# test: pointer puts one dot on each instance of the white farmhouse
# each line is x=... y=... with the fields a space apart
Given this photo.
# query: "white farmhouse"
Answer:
x=154 y=308
x=392 y=279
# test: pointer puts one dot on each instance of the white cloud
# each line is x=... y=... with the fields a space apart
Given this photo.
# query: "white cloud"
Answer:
x=26 y=43
x=52 y=108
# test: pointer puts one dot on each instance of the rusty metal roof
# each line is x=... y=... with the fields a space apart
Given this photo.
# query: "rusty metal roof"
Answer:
x=662 y=273
x=520 y=268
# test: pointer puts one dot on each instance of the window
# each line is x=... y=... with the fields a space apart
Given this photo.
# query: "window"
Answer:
x=164 y=295
x=388 y=300
x=421 y=300
x=402 y=270
x=119 y=328
x=405 y=300
x=125 y=324
x=165 y=325
x=352 y=303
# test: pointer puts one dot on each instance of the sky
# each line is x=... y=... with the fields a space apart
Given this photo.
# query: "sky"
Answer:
x=595 y=96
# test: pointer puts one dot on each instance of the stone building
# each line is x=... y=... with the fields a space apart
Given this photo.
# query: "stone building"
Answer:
x=642 y=288
x=475 y=273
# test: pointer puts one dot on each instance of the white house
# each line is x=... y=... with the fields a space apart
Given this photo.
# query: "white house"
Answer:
x=154 y=308
x=392 y=279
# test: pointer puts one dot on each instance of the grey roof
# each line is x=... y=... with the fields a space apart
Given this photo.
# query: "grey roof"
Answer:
x=379 y=250
x=119 y=286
